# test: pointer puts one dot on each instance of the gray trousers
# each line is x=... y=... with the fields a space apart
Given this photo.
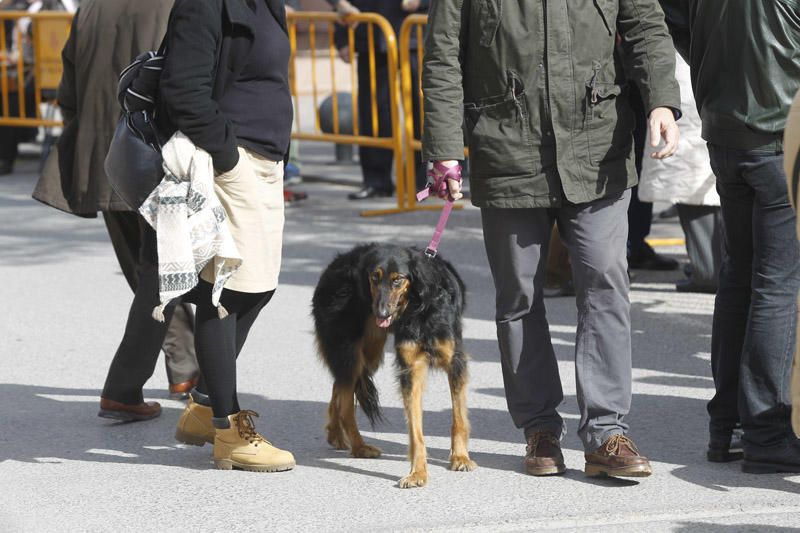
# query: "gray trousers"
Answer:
x=596 y=236
x=701 y=226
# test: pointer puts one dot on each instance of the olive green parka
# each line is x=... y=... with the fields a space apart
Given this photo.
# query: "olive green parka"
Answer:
x=540 y=88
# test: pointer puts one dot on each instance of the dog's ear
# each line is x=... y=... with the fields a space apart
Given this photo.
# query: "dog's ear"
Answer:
x=366 y=266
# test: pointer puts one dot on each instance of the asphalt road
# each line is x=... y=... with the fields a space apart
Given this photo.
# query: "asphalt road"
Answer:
x=64 y=303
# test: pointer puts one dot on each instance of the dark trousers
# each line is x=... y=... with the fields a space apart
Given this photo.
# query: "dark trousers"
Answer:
x=134 y=363
x=755 y=314
x=376 y=163
x=701 y=226
x=640 y=214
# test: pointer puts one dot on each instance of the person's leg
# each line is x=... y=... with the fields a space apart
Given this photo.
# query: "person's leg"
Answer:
x=125 y=228
x=700 y=225
x=768 y=351
x=219 y=341
x=137 y=354
x=732 y=303
x=640 y=214
x=596 y=235
x=179 y=355
x=516 y=241
x=376 y=163
x=125 y=231
x=215 y=345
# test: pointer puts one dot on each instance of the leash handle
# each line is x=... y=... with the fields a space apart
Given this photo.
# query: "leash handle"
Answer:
x=438 y=175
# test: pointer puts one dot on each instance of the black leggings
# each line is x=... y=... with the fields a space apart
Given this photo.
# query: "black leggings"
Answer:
x=219 y=341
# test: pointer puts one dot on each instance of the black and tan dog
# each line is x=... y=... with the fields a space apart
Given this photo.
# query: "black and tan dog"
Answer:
x=364 y=295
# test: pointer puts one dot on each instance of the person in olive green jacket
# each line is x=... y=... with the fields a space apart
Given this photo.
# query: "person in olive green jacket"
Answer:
x=744 y=88
x=548 y=123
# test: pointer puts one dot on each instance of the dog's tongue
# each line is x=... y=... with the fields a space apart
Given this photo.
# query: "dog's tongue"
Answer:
x=384 y=323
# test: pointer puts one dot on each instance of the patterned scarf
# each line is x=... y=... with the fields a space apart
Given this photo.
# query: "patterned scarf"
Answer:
x=190 y=224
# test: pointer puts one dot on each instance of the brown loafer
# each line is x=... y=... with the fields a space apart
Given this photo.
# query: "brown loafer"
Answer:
x=617 y=457
x=128 y=413
x=543 y=455
x=180 y=391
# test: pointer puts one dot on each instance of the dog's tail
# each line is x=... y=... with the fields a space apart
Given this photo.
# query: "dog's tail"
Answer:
x=367 y=396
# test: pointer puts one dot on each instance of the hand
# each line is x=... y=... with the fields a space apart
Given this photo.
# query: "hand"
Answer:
x=411 y=5
x=453 y=186
x=345 y=8
x=662 y=124
x=344 y=54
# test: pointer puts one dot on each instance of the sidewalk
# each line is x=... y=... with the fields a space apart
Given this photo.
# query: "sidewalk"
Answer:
x=63 y=469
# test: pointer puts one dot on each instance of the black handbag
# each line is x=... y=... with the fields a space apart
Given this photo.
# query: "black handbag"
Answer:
x=133 y=164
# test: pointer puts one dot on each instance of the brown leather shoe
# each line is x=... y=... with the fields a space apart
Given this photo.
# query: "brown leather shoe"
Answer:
x=180 y=391
x=128 y=413
x=617 y=457
x=544 y=456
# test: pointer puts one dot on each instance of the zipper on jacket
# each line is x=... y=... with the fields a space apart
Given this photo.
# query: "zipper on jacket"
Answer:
x=593 y=84
x=517 y=89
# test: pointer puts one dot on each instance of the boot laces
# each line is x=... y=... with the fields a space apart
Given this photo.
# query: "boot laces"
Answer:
x=616 y=442
x=247 y=428
x=538 y=437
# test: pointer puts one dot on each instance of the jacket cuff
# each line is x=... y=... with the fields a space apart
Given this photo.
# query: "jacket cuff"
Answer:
x=226 y=162
x=443 y=151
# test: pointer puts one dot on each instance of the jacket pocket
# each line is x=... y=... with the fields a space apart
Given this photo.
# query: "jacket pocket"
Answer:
x=489 y=13
x=499 y=136
x=602 y=117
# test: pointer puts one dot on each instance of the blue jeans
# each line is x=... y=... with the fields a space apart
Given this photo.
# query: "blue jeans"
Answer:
x=755 y=315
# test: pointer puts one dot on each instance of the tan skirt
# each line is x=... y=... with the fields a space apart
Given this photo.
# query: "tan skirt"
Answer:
x=252 y=195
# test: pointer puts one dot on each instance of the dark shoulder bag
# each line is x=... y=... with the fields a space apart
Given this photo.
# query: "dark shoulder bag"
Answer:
x=133 y=164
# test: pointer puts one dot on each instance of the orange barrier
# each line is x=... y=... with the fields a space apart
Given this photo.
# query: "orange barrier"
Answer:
x=35 y=57
x=328 y=22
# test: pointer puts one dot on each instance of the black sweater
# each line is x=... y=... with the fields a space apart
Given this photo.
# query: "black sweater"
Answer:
x=209 y=43
x=256 y=102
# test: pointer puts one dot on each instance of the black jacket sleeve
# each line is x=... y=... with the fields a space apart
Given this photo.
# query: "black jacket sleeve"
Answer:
x=678 y=17
x=187 y=82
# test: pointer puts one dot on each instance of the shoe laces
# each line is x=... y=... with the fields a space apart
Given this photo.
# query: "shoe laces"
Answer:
x=247 y=428
x=538 y=437
x=616 y=442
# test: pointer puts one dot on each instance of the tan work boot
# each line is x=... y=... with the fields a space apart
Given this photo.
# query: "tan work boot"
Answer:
x=194 y=425
x=240 y=446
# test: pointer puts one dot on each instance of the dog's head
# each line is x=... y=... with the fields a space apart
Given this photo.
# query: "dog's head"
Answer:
x=390 y=282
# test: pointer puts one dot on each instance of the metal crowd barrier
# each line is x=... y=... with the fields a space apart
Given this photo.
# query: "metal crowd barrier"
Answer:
x=31 y=45
x=30 y=50
x=326 y=22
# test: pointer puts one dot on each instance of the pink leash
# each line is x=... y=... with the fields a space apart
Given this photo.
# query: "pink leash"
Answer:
x=437 y=184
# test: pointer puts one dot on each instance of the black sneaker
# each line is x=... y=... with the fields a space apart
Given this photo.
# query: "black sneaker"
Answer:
x=773 y=460
x=645 y=258
x=725 y=447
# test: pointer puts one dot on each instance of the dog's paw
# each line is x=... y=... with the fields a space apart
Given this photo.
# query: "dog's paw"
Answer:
x=366 y=452
x=337 y=440
x=462 y=463
x=414 y=479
